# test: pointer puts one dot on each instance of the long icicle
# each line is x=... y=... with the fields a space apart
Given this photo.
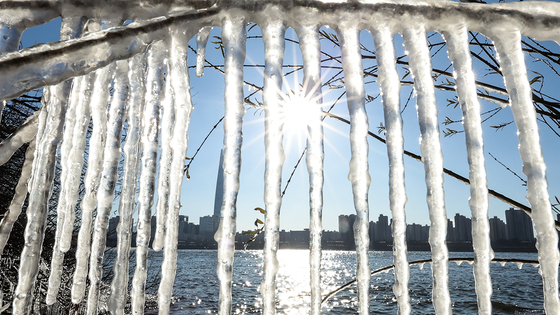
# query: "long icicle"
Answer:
x=311 y=54
x=121 y=274
x=234 y=37
x=273 y=37
x=508 y=45
x=359 y=166
x=107 y=183
x=166 y=129
x=201 y=41
x=430 y=146
x=460 y=55
x=181 y=97
x=53 y=110
x=99 y=100
x=20 y=193
x=389 y=82
x=150 y=132
x=72 y=153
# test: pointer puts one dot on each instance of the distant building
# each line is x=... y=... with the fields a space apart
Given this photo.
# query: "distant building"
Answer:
x=497 y=229
x=450 y=231
x=346 y=229
x=519 y=225
x=463 y=228
x=183 y=225
x=417 y=233
x=208 y=226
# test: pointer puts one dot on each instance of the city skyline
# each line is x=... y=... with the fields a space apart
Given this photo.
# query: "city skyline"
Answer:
x=517 y=230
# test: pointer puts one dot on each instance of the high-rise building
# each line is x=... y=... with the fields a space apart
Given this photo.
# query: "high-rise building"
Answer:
x=519 y=225
x=497 y=229
x=183 y=224
x=219 y=196
x=463 y=228
x=346 y=229
x=450 y=231
x=382 y=229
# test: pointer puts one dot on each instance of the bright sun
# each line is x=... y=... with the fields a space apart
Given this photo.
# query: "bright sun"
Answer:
x=298 y=111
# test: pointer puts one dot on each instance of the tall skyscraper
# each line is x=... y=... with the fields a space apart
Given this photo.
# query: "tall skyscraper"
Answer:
x=219 y=197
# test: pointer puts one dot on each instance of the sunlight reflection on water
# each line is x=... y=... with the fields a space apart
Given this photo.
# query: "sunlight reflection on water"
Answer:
x=196 y=287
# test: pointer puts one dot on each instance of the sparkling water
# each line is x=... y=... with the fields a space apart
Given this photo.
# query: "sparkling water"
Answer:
x=515 y=291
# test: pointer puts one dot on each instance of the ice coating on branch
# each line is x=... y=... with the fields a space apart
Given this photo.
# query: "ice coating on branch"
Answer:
x=14 y=210
x=25 y=133
x=9 y=40
x=99 y=100
x=149 y=141
x=311 y=54
x=55 y=62
x=107 y=184
x=178 y=76
x=166 y=128
x=390 y=85
x=273 y=37
x=460 y=56
x=430 y=146
x=119 y=284
x=234 y=37
x=359 y=167
x=508 y=46
x=201 y=41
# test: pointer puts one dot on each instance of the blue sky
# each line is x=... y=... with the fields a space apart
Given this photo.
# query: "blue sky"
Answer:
x=198 y=192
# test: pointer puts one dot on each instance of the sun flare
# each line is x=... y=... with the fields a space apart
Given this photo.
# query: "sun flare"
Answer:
x=298 y=111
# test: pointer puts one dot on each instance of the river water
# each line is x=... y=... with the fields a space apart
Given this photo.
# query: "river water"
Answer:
x=515 y=291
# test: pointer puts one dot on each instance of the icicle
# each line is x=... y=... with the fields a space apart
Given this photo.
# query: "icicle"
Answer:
x=311 y=53
x=150 y=131
x=460 y=56
x=234 y=37
x=119 y=284
x=99 y=100
x=72 y=153
x=421 y=69
x=25 y=133
x=359 y=167
x=162 y=205
x=508 y=45
x=181 y=98
x=201 y=41
x=20 y=194
x=389 y=82
x=273 y=36
x=53 y=111
x=107 y=184
x=76 y=161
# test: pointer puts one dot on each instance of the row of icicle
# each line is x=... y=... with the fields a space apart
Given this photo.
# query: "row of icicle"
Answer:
x=139 y=91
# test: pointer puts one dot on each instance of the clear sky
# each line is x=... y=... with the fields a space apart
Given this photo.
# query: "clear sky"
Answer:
x=208 y=98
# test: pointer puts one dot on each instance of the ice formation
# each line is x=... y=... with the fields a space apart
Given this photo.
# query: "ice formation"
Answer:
x=390 y=84
x=135 y=59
